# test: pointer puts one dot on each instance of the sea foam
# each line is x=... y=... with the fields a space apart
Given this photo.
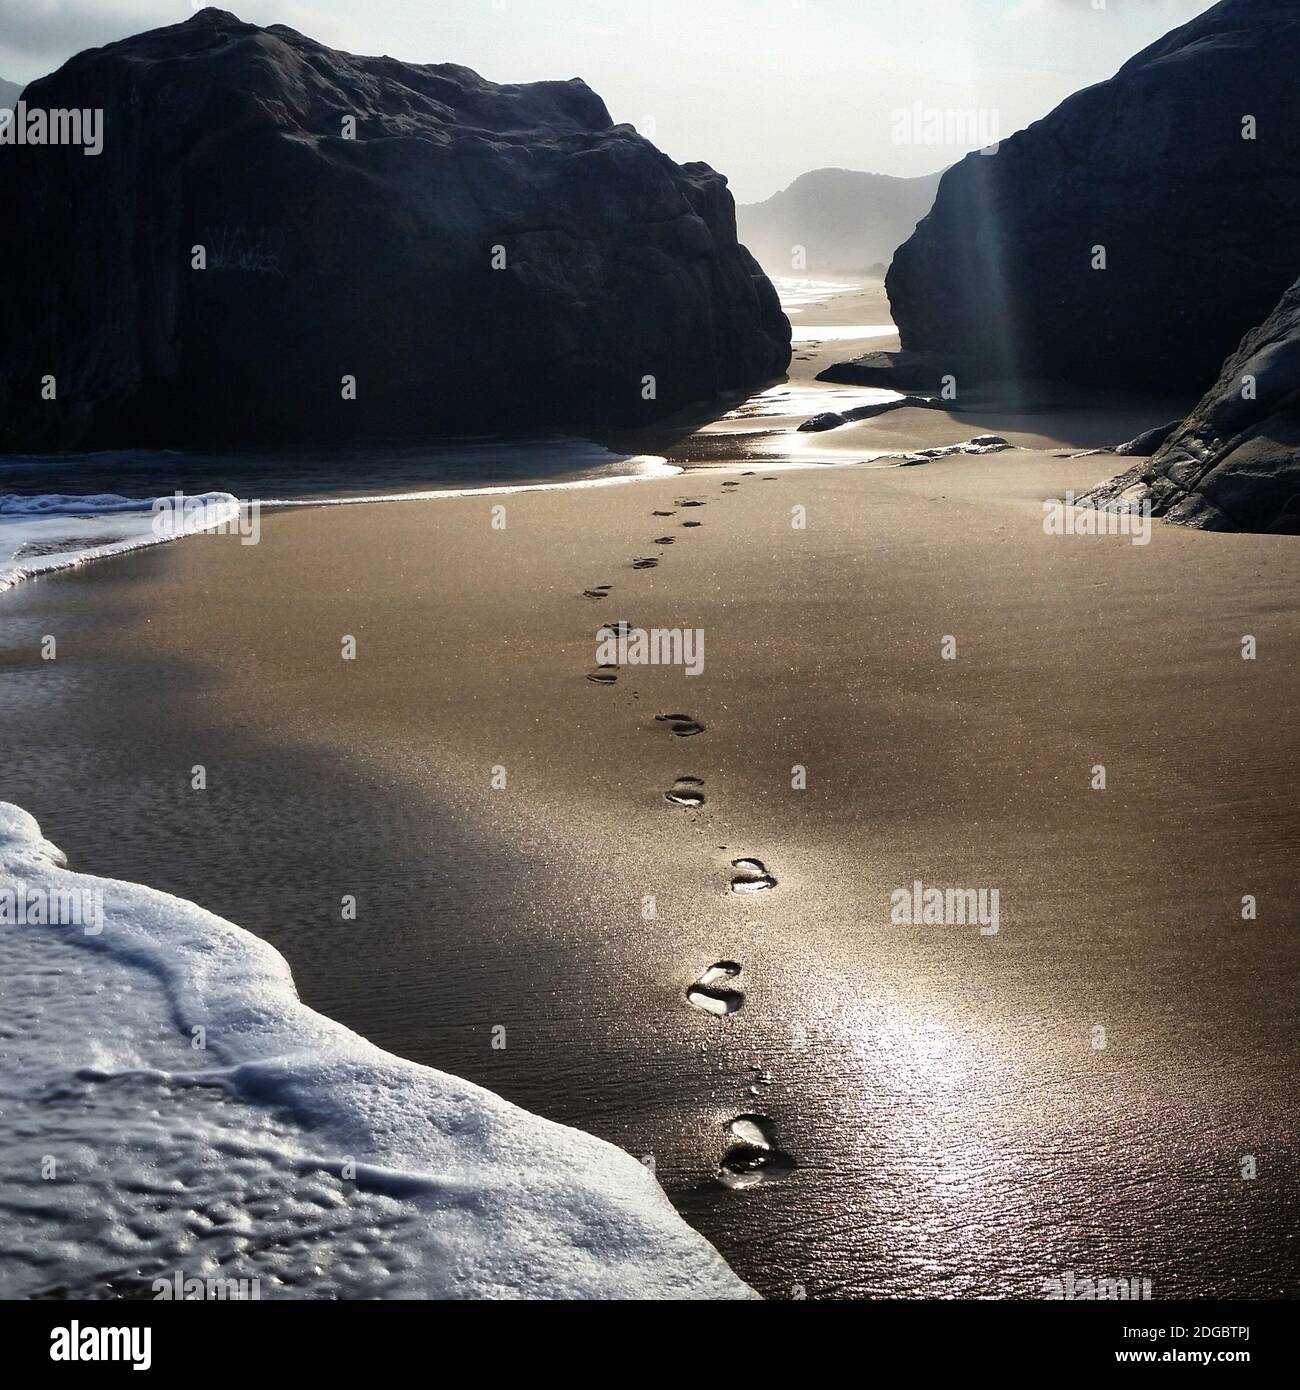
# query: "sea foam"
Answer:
x=53 y=531
x=41 y=532
x=171 y=1112
x=797 y=292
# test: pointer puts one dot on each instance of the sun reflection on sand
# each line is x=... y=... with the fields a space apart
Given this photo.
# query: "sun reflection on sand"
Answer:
x=946 y=1121
x=841 y=332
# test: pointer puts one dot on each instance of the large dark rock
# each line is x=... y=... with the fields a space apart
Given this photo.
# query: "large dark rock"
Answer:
x=1234 y=463
x=1201 y=227
x=369 y=257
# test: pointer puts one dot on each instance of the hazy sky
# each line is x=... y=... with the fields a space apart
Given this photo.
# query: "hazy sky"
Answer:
x=761 y=89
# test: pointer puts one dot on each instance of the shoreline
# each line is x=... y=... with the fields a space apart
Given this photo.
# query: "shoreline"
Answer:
x=913 y=1075
x=390 y=1179
x=759 y=428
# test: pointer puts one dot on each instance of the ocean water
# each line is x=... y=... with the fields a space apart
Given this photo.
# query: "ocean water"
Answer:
x=44 y=532
x=110 y=502
x=169 y=1110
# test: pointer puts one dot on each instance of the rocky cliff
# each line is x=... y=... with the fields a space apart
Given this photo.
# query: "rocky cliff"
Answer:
x=281 y=243
x=1234 y=464
x=1184 y=167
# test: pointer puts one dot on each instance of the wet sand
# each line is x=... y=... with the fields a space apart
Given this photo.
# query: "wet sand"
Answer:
x=956 y=1127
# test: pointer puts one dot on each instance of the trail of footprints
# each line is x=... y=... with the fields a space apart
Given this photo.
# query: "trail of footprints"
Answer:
x=752 y=1155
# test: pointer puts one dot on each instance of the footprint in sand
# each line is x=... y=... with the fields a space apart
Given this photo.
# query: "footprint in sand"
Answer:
x=731 y=482
x=604 y=675
x=751 y=876
x=692 y=523
x=762 y=1077
x=664 y=540
x=706 y=993
x=611 y=632
x=691 y=502
x=687 y=791
x=770 y=478
x=663 y=513
x=645 y=563
x=600 y=591
x=754 y=1157
x=681 y=724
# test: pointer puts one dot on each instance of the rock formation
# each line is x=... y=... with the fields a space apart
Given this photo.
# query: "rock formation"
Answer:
x=1234 y=463
x=835 y=419
x=281 y=243
x=1184 y=167
x=1149 y=441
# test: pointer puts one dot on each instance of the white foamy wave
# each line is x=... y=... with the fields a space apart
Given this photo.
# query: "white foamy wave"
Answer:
x=59 y=504
x=795 y=292
x=286 y=1154
x=55 y=531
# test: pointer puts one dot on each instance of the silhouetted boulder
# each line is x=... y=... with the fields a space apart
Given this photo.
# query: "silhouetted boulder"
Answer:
x=1234 y=463
x=1200 y=226
x=834 y=419
x=479 y=257
x=899 y=371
